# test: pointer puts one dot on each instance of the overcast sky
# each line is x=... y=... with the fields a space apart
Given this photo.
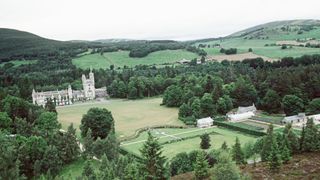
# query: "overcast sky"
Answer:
x=147 y=19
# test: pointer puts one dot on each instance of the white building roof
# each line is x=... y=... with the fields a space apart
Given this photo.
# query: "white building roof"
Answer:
x=241 y=116
x=205 y=120
x=246 y=109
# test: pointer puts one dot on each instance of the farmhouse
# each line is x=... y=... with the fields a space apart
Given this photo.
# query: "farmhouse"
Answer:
x=239 y=117
x=204 y=122
x=300 y=118
x=68 y=96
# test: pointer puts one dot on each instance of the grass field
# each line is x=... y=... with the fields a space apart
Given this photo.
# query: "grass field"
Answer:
x=259 y=48
x=170 y=150
x=121 y=58
x=128 y=115
x=20 y=62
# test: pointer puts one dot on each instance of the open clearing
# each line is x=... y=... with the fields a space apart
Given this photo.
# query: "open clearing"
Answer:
x=170 y=150
x=129 y=115
x=237 y=57
x=121 y=58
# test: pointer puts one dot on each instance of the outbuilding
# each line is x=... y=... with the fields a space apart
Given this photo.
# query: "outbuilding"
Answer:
x=204 y=122
x=240 y=117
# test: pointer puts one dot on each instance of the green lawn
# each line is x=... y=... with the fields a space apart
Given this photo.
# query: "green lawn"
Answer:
x=170 y=150
x=129 y=115
x=121 y=58
x=259 y=48
x=20 y=62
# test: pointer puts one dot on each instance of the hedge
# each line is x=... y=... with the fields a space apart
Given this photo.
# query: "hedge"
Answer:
x=240 y=128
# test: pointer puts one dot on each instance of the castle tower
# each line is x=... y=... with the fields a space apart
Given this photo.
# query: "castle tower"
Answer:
x=89 y=86
x=70 y=96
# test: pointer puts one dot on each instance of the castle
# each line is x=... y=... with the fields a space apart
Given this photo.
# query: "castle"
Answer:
x=69 y=96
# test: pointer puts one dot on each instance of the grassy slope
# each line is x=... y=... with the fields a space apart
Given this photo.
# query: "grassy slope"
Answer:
x=128 y=115
x=121 y=58
x=170 y=150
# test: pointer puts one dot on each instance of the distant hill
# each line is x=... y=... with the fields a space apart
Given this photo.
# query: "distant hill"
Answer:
x=21 y=44
x=278 y=28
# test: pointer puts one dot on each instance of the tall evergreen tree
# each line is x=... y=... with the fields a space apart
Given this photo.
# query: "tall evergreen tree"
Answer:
x=267 y=141
x=201 y=166
x=88 y=171
x=225 y=168
x=311 y=139
x=237 y=153
x=274 y=158
x=293 y=140
x=88 y=145
x=153 y=163
x=205 y=141
x=224 y=146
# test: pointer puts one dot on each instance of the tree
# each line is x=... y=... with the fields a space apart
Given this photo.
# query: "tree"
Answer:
x=250 y=50
x=313 y=106
x=267 y=141
x=311 y=140
x=244 y=93
x=193 y=62
x=108 y=146
x=203 y=59
x=271 y=102
x=172 y=96
x=131 y=171
x=292 y=104
x=51 y=161
x=153 y=165
x=224 y=104
x=99 y=120
x=201 y=166
x=207 y=107
x=195 y=107
x=88 y=171
x=185 y=110
x=205 y=141
x=293 y=140
x=237 y=153
x=225 y=168
x=224 y=146
x=5 y=122
x=180 y=164
x=50 y=106
x=285 y=151
x=274 y=158
x=47 y=123
x=88 y=144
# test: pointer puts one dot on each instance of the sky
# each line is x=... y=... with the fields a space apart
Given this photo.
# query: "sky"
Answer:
x=147 y=19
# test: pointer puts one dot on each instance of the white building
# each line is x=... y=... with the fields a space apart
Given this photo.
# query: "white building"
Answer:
x=68 y=96
x=300 y=118
x=204 y=122
x=239 y=117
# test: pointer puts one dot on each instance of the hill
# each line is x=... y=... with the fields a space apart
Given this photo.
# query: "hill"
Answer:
x=277 y=28
x=15 y=44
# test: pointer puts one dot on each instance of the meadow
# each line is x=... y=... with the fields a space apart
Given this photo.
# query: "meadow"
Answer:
x=170 y=150
x=129 y=115
x=121 y=58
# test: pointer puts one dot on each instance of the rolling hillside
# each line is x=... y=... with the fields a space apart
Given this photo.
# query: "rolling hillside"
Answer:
x=16 y=44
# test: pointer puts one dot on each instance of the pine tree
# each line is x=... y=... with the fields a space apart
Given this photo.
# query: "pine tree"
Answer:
x=88 y=143
x=293 y=140
x=237 y=153
x=153 y=165
x=301 y=140
x=285 y=151
x=310 y=142
x=205 y=141
x=224 y=146
x=225 y=169
x=274 y=157
x=106 y=169
x=131 y=172
x=267 y=140
x=201 y=166
x=88 y=171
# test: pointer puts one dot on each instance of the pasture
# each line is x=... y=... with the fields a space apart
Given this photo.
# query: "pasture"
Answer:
x=129 y=115
x=217 y=136
x=121 y=58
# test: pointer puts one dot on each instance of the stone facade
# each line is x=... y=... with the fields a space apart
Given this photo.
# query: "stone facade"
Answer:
x=69 y=96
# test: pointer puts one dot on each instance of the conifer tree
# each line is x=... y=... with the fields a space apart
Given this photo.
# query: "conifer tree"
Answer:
x=301 y=140
x=131 y=172
x=293 y=140
x=88 y=171
x=267 y=141
x=310 y=142
x=274 y=157
x=205 y=141
x=285 y=151
x=237 y=153
x=224 y=146
x=225 y=168
x=88 y=143
x=201 y=166
x=153 y=163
